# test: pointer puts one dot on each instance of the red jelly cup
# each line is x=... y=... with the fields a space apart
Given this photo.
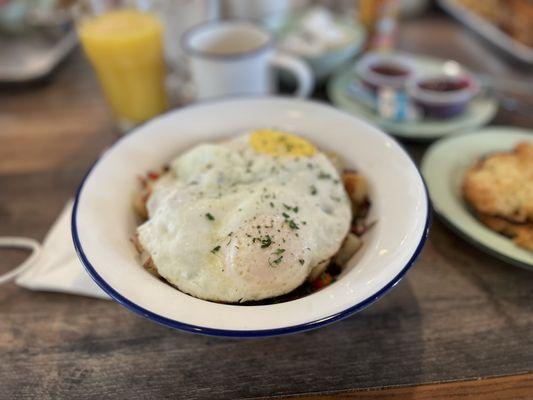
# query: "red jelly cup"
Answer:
x=442 y=95
x=377 y=70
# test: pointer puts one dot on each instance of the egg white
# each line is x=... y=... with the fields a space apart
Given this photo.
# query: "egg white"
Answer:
x=211 y=216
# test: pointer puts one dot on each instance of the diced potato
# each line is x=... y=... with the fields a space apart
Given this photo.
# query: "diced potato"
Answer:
x=356 y=187
x=150 y=266
x=318 y=270
x=351 y=245
x=139 y=205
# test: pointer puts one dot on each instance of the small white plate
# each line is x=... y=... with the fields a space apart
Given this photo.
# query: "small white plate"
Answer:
x=103 y=220
x=444 y=167
x=480 y=111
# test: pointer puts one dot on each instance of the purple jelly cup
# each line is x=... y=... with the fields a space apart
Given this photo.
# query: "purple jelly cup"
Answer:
x=377 y=70
x=441 y=95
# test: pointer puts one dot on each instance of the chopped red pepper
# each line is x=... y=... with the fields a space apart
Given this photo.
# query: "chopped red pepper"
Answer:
x=153 y=175
x=322 y=281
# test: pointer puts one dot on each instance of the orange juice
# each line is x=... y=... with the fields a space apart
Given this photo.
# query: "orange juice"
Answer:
x=126 y=49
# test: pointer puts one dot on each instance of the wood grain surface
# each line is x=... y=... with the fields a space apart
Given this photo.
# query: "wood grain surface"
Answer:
x=458 y=315
x=516 y=387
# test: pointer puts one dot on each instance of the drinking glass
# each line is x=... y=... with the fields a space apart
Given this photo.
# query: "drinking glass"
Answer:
x=124 y=42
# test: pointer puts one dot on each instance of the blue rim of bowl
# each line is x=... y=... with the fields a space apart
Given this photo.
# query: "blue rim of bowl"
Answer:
x=227 y=333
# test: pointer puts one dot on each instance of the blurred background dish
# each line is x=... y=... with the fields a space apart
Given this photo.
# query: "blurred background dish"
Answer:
x=345 y=91
x=507 y=24
x=325 y=40
x=35 y=36
x=444 y=167
x=258 y=10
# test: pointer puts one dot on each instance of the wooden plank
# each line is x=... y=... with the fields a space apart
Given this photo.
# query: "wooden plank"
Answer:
x=516 y=387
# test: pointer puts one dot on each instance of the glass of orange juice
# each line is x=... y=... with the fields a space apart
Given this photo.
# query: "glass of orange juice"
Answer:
x=124 y=43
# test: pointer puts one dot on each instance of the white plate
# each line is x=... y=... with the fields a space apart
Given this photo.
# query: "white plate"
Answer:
x=444 y=167
x=103 y=220
x=478 y=113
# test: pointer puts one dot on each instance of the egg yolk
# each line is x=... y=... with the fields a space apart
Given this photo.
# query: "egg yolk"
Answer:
x=279 y=143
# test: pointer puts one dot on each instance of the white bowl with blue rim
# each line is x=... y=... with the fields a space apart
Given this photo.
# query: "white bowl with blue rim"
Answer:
x=103 y=219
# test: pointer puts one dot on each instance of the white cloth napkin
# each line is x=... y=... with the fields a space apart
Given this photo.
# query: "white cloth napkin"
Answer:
x=57 y=267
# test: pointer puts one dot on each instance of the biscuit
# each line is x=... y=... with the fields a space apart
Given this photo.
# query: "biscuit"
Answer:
x=521 y=234
x=501 y=185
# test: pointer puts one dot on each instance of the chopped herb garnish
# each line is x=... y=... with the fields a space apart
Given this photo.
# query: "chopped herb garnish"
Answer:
x=278 y=260
x=215 y=249
x=279 y=251
x=313 y=190
x=271 y=204
x=323 y=175
x=293 y=224
x=301 y=261
x=285 y=215
x=266 y=241
x=210 y=217
x=295 y=209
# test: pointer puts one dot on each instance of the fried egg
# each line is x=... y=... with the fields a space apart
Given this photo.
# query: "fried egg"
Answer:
x=246 y=219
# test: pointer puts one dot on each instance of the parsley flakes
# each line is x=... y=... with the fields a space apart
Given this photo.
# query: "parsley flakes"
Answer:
x=266 y=241
x=277 y=261
x=293 y=224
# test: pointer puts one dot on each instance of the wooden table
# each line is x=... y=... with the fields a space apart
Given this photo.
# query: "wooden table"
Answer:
x=459 y=316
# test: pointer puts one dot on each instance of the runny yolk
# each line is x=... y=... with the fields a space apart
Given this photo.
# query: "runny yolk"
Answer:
x=279 y=143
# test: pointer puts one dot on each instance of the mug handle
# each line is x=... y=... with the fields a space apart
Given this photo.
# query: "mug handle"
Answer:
x=301 y=71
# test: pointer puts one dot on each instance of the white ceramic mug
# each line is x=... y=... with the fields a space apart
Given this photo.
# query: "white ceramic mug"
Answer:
x=258 y=9
x=235 y=57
